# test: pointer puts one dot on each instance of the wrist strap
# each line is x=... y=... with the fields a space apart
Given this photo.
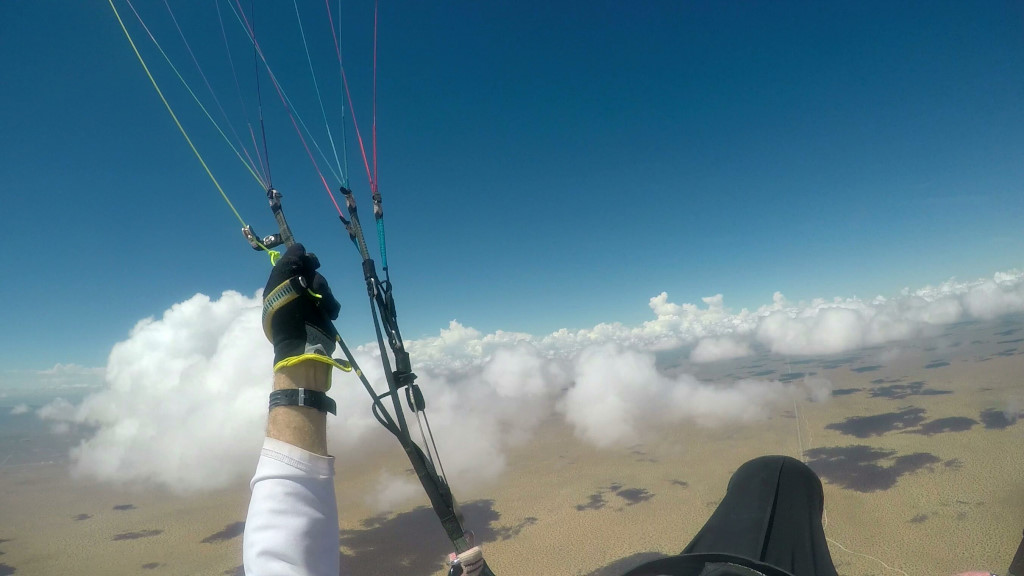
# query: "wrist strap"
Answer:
x=303 y=397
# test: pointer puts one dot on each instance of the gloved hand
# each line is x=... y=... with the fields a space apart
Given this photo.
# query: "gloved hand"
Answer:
x=298 y=309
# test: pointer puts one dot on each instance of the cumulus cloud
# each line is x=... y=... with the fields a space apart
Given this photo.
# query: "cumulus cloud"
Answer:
x=715 y=332
x=619 y=392
x=185 y=402
x=847 y=324
x=478 y=412
x=992 y=298
x=52 y=380
x=59 y=409
x=393 y=491
x=184 y=398
x=70 y=370
x=19 y=409
x=714 y=349
x=818 y=388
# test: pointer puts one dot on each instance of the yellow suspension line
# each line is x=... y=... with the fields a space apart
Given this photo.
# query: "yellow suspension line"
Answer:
x=173 y=116
x=203 y=108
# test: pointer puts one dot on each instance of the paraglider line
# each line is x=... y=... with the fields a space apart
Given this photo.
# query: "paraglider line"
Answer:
x=238 y=90
x=171 y=112
x=248 y=165
x=803 y=458
x=289 y=109
x=374 y=124
x=316 y=85
x=206 y=81
x=259 y=95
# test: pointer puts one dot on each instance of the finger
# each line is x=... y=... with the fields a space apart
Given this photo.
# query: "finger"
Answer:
x=291 y=263
x=294 y=252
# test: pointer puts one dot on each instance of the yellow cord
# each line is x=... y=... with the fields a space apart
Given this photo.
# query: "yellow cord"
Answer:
x=173 y=116
x=207 y=113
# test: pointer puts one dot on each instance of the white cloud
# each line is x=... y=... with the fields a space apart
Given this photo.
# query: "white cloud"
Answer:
x=19 y=409
x=52 y=380
x=184 y=402
x=478 y=412
x=818 y=388
x=393 y=491
x=619 y=394
x=817 y=327
x=70 y=370
x=991 y=299
x=185 y=399
x=59 y=409
x=714 y=349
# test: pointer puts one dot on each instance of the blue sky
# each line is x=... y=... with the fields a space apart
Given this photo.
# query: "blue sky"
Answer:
x=543 y=165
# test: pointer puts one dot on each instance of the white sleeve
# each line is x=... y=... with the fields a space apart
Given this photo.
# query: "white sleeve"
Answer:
x=292 y=525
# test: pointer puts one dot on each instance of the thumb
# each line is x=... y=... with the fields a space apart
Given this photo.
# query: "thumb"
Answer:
x=328 y=304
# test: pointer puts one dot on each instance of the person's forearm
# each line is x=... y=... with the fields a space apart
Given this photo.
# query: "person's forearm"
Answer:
x=301 y=426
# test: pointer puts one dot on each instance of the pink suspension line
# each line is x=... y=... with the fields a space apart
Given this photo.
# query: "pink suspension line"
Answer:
x=216 y=100
x=284 y=102
x=348 y=96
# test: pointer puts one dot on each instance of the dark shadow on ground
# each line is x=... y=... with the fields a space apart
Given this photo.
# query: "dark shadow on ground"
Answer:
x=230 y=531
x=998 y=419
x=919 y=519
x=413 y=543
x=124 y=507
x=137 y=535
x=81 y=517
x=151 y=566
x=938 y=364
x=943 y=425
x=837 y=362
x=900 y=391
x=236 y=571
x=763 y=373
x=791 y=376
x=6 y=570
x=846 y=391
x=863 y=369
x=620 y=567
x=863 y=468
x=595 y=501
x=632 y=496
x=510 y=532
x=879 y=424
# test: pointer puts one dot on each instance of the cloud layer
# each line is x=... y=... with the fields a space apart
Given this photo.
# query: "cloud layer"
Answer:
x=184 y=405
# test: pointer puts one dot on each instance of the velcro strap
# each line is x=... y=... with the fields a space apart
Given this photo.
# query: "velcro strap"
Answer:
x=303 y=397
x=284 y=293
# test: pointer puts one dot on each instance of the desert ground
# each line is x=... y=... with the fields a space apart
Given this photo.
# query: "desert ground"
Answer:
x=920 y=449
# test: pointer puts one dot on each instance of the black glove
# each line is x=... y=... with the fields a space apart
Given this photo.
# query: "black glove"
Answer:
x=298 y=308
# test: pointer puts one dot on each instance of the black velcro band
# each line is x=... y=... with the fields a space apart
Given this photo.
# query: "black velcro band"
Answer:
x=303 y=397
